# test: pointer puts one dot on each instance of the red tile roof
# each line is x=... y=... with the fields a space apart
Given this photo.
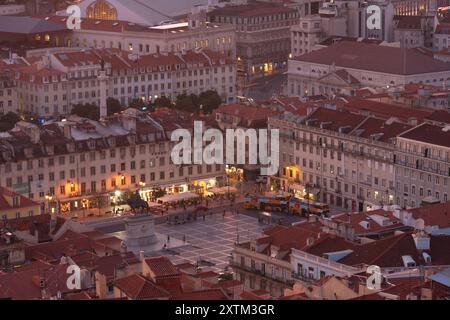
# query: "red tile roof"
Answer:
x=433 y=214
x=137 y=287
x=23 y=202
x=386 y=252
x=380 y=130
x=333 y=120
x=386 y=110
x=246 y=113
x=428 y=133
x=162 y=267
x=209 y=294
x=354 y=219
x=373 y=57
x=24 y=285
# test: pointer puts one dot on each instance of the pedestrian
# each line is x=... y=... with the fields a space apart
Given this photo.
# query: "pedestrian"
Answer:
x=203 y=217
x=184 y=238
x=168 y=238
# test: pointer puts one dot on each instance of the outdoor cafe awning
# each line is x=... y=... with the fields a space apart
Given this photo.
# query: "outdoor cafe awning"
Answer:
x=223 y=190
x=178 y=197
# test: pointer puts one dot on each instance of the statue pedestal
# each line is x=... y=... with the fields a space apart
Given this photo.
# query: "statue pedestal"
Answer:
x=140 y=232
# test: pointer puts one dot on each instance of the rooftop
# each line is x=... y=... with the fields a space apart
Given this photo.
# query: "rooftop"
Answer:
x=253 y=9
x=377 y=58
x=10 y=200
x=28 y=25
x=429 y=133
x=138 y=287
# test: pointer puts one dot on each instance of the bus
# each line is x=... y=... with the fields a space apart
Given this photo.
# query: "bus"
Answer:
x=251 y=202
x=266 y=203
x=304 y=206
x=278 y=204
x=285 y=204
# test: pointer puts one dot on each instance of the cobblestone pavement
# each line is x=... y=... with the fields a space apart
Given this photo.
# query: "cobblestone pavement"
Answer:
x=212 y=240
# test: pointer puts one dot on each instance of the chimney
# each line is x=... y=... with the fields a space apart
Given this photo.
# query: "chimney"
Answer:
x=67 y=130
x=422 y=241
x=123 y=250
x=141 y=255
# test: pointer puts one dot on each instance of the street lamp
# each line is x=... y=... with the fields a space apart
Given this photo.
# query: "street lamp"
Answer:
x=48 y=198
x=142 y=186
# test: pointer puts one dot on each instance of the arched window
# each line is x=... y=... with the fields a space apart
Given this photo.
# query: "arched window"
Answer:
x=102 y=10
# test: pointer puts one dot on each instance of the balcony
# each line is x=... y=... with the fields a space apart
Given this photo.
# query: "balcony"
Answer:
x=301 y=277
x=255 y=271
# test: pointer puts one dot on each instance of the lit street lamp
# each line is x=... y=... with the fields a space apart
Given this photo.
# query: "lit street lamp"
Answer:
x=48 y=198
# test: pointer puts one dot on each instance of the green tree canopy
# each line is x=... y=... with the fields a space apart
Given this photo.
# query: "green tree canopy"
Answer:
x=8 y=121
x=88 y=110
x=207 y=102
x=137 y=104
x=210 y=101
x=163 y=102
x=113 y=106
x=188 y=103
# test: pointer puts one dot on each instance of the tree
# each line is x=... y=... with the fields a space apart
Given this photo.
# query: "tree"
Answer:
x=163 y=102
x=137 y=103
x=210 y=101
x=90 y=111
x=158 y=193
x=188 y=103
x=8 y=121
x=113 y=106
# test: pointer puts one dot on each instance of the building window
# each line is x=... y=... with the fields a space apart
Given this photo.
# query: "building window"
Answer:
x=101 y=10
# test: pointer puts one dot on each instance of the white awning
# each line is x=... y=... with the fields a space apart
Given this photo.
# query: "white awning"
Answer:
x=178 y=197
x=223 y=190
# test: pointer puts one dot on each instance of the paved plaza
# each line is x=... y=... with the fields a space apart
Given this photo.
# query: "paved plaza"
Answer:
x=210 y=240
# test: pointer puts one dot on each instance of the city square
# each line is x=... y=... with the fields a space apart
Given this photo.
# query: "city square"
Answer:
x=232 y=150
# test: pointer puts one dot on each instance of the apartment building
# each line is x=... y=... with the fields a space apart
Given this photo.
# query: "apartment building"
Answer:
x=335 y=256
x=312 y=30
x=263 y=41
x=346 y=66
x=339 y=157
x=8 y=92
x=14 y=205
x=191 y=33
x=263 y=263
x=422 y=165
x=441 y=36
x=79 y=162
x=305 y=7
x=414 y=31
x=52 y=84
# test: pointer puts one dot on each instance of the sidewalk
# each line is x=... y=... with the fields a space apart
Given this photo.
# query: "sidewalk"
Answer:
x=91 y=215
